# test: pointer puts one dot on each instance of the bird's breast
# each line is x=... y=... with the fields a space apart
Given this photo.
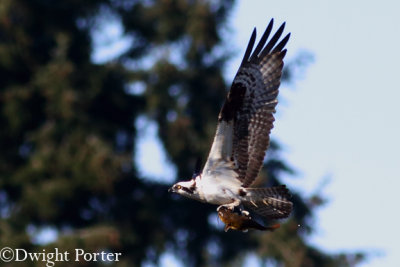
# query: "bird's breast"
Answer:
x=218 y=192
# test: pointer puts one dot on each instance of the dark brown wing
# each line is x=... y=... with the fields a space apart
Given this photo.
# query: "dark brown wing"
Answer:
x=251 y=103
x=269 y=203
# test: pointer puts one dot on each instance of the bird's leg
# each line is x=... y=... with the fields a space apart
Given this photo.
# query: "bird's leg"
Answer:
x=231 y=206
x=245 y=212
x=242 y=211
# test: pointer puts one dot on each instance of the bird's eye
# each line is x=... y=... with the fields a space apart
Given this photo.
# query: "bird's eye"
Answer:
x=178 y=187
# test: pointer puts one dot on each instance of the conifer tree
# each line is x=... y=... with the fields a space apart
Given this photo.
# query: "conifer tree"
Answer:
x=67 y=135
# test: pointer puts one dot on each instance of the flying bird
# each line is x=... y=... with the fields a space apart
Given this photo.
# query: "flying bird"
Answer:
x=242 y=137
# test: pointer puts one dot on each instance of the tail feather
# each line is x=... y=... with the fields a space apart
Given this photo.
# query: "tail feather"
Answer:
x=270 y=203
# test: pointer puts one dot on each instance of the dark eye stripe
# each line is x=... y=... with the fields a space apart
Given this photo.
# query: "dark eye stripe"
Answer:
x=189 y=190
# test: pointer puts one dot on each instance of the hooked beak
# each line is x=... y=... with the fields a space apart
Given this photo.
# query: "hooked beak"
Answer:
x=171 y=190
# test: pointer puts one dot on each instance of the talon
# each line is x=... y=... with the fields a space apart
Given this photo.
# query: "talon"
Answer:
x=245 y=212
x=230 y=206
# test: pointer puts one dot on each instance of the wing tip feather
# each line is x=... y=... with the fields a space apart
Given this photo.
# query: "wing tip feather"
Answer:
x=250 y=46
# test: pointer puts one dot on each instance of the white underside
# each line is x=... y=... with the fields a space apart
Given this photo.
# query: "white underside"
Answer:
x=219 y=185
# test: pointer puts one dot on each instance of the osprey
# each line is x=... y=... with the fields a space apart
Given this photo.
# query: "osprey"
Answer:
x=242 y=136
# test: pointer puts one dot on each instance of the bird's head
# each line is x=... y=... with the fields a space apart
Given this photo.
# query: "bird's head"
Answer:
x=189 y=188
x=186 y=188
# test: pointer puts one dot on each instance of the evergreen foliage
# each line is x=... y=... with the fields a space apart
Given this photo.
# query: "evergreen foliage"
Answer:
x=67 y=135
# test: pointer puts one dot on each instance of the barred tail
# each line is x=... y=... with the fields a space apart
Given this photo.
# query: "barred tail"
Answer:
x=270 y=203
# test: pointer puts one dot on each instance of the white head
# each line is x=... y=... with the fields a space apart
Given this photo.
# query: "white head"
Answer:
x=186 y=188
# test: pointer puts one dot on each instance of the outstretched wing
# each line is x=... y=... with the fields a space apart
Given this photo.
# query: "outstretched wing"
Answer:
x=246 y=117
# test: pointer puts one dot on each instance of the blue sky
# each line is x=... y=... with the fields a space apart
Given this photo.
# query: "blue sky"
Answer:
x=340 y=123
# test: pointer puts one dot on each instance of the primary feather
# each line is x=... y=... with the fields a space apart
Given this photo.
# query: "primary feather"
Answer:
x=246 y=118
x=242 y=137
